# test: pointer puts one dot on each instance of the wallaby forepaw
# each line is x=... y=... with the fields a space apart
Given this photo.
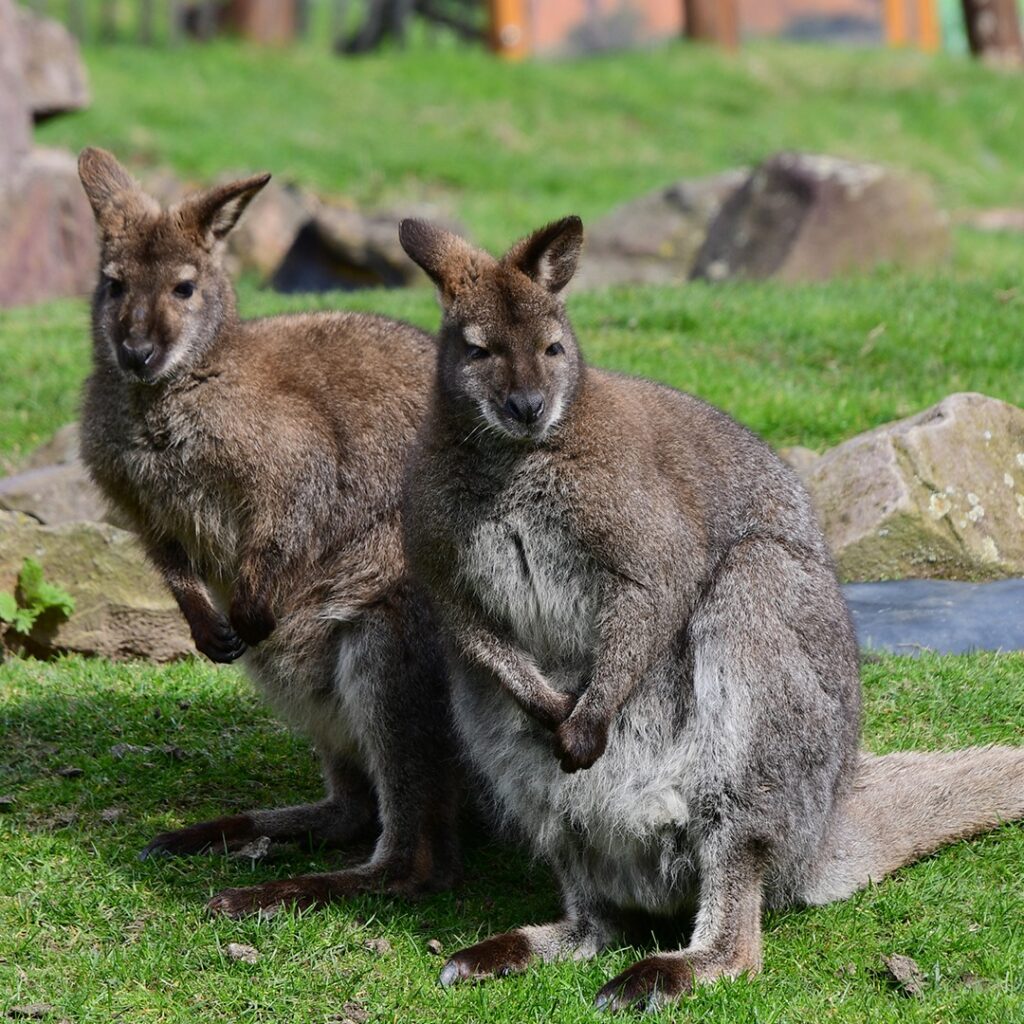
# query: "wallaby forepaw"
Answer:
x=579 y=743
x=493 y=958
x=647 y=985
x=218 y=641
x=252 y=617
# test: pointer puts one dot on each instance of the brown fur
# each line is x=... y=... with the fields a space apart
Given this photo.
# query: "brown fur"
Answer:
x=260 y=462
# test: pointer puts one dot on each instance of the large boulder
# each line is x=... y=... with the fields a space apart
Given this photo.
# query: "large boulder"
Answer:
x=55 y=77
x=47 y=232
x=940 y=494
x=122 y=609
x=263 y=237
x=15 y=117
x=344 y=248
x=655 y=239
x=803 y=217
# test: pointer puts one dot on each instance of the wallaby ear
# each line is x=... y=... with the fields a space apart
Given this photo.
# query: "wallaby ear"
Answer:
x=549 y=256
x=213 y=213
x=113 y=193
x=450 y=262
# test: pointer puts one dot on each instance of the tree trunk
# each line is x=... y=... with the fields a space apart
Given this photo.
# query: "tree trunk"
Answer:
x=715 y=21
x=993 y=30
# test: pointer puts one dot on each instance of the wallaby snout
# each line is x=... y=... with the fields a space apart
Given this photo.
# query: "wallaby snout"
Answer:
x=526 y=406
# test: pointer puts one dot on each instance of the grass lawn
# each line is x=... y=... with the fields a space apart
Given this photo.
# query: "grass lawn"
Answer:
x=88 y=929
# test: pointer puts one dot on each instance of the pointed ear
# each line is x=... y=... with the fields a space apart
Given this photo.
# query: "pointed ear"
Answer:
x=114 y=194
x=550 y=254
x=213 y=213
x=450 y=262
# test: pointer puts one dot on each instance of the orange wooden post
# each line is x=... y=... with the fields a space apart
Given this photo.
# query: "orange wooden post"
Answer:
x=508 y=28
x=929 y=32
x=894 y=13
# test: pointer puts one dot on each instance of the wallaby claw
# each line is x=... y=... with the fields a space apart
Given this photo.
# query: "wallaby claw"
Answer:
x=218 y=641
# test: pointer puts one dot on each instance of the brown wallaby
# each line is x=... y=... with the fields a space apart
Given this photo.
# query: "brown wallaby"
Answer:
x=261 y=463
x=652 y=663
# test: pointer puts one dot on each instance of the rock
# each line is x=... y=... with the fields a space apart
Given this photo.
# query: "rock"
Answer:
x=803 y=217
x=63 y=448
x=241 y=951
x=345 y=249
x=15 y=116
x=47 y=233
x=801 y=460
x=268 y=230
x=55 y=77
x=122 y=609
x=905 y=972
x=53 y=494
x=655 y=239
x=937 y=495
x=998 y=219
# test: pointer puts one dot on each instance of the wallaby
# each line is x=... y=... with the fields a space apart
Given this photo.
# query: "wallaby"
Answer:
x=653 y=666
x=261 y=462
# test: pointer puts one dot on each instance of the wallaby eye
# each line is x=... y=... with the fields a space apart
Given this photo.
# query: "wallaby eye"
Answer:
x=115 y=288
x=555 y=349
x=476 y=352
x=184 y=289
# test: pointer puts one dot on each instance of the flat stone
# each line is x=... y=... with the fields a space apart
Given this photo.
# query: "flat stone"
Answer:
x=944 y=616
x=122 y=608
x=53 y=494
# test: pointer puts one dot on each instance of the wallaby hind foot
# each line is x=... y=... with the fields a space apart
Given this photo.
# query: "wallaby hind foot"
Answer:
x=346 y=816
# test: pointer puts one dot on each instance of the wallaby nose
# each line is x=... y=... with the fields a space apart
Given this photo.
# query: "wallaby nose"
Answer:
x=137 y=353
x=525 y=406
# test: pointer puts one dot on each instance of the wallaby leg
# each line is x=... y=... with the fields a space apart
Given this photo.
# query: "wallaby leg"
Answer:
x=418 y=853
x=415 y=769
x=726 y=940
x=580 y=935
x=348 y=814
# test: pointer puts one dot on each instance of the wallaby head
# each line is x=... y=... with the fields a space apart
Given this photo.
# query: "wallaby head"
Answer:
x=508 y=356
x=163 y=295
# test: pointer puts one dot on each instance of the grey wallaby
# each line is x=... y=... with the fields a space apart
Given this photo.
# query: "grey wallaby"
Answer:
x=653 y=666
x=261 y=462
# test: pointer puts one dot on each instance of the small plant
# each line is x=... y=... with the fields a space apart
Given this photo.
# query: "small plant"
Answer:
x=32 y=598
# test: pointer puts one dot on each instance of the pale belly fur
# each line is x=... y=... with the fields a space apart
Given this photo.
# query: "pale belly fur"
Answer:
x=622 y=823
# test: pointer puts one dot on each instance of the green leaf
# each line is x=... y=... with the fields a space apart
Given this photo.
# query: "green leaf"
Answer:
x=30 y=580
x=8 y=607
x=24 y=620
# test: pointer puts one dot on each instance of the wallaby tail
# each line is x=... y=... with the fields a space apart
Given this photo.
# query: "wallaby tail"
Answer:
x=904 y=806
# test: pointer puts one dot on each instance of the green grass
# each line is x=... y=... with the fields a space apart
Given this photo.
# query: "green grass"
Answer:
x=809 y=365
x=87 y=928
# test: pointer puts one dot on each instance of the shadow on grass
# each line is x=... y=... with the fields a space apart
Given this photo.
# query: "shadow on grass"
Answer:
x=108 y=769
